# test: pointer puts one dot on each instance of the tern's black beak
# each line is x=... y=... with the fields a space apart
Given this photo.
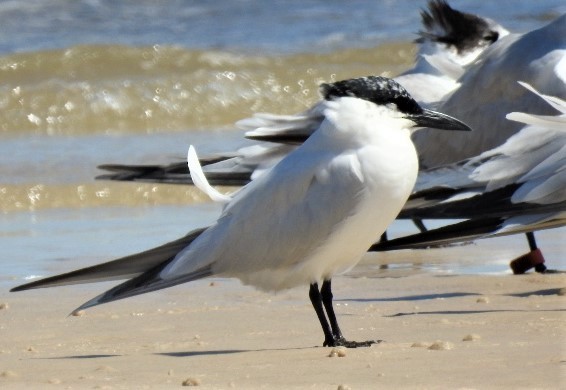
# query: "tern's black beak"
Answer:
x=437 y=120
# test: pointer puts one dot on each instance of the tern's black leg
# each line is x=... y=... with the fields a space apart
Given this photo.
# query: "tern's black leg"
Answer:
x=326 y=293
x=540 y=267
x=316 y=300
x=332 y=334
x=532 y=241
x=534 y=258
x=420 y=225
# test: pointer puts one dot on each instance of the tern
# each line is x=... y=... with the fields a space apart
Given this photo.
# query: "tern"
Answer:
x=488 y=91
x=518 y=187
x=312 y=216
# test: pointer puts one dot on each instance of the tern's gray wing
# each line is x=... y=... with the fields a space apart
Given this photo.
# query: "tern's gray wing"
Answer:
x=274 y=222
x=174 y=173
x=287 y=129
x=231 y=169
x=123 y=268
x=473 y=229
x=525 y=175
x=278 y=219
x=225 y=169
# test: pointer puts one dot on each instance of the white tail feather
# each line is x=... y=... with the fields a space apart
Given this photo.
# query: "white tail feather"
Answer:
x=199 y=179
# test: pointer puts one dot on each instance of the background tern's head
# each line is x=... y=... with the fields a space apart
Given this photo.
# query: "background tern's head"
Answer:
x=466 y=34
x=387 y=92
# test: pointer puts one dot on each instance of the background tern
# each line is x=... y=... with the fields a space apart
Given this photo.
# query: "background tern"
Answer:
x=518 y=187
x=449 y=41
x=312 y=216
x=489 y=90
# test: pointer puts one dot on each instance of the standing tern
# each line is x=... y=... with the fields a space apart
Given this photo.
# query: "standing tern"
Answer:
x=488 y=91
x=312 y=216
x=518 y=187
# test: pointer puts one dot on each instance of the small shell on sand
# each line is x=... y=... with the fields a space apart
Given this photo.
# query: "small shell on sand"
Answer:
x=8 y=374
x=471 y=337
x=4 y=306
x=340 y=352
x=420 y=344
x=441 y=346
x=78 y=313
x=344 y=387
x=191 y=382
x=54 y=381
x=31 y=349
x=482 y=300
x=105 y=368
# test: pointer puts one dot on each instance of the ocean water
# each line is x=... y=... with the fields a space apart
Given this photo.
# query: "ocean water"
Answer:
x=96 y=81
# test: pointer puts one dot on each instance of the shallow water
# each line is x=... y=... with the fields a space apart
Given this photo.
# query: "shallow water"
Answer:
x=51 y=241
x=89 y=82
x=242 y=25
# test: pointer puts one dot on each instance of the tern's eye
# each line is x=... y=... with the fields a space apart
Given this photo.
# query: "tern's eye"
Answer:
x=491 y=37
x=407 y=105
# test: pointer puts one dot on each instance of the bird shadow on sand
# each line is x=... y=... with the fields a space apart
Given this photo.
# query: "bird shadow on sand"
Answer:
x=462 y=312
x=424 y=297
x=177 y=354
x=420 y=297
x=228 y=351
x=201 y=353
x=550 y=291
x=92 y=356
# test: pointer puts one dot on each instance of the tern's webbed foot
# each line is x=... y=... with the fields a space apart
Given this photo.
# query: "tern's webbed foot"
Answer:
x=553 y=271
x=342 y=342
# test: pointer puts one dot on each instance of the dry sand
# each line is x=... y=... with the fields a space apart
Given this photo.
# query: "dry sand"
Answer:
x=440 y=331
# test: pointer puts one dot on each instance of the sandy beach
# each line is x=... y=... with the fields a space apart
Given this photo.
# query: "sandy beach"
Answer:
x=440 y=330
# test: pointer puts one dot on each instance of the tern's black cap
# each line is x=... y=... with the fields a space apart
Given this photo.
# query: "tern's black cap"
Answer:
x=376 y=89
x=384 y=91
x=461 y=30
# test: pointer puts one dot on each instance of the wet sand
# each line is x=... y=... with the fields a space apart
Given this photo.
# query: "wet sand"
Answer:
x=440 y=331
